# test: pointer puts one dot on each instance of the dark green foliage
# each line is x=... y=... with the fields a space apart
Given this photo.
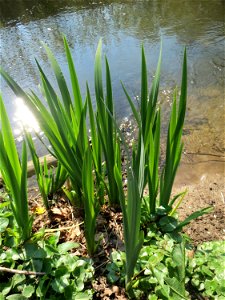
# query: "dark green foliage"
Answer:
x=62 y=275
x=206 y=270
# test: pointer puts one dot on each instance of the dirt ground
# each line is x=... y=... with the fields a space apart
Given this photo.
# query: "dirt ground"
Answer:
x=202 y=173
x=209 y=191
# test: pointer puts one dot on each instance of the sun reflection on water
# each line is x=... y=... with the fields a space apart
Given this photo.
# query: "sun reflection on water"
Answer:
x=24 y=119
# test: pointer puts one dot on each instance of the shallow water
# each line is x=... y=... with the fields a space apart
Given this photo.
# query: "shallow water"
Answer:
x=123 y=27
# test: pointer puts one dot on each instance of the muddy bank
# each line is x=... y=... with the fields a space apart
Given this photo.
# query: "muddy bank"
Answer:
x=202 y=171
x=208 y=191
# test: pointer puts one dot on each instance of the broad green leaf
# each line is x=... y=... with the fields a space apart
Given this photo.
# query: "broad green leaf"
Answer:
x=160 y=277
x=4 y=222
x=34 y=251
x=79 y=284
x=38 y=264
x=85 y=295
x=2 y=296
x=179 y=259
x=42 y=286
x=175 y=286
x=6 y=288
x=53 y=239
x=59 y=284
x=64 y=247
x=168 y=224
x=18 y=279
x=28 y=291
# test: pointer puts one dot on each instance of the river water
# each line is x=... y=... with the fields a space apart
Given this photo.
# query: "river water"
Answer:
x=123 y=27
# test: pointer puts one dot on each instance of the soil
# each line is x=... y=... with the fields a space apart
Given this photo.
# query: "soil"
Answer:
x=209 y=191
x=202 y=173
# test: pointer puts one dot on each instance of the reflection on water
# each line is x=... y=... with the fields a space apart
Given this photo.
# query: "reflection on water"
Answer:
x=24 y=118
x=123 y=26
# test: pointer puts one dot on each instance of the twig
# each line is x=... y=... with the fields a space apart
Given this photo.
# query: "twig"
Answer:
x=62 y=228
x=102 y=264
x=15 y=271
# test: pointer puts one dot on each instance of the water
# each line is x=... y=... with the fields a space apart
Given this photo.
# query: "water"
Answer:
x=123 y=27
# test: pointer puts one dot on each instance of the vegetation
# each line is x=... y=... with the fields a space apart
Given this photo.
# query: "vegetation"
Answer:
x=49 y=181
x=155 y=263
x=14 y=173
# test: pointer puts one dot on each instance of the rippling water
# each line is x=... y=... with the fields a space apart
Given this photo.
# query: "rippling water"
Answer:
x=123 y=26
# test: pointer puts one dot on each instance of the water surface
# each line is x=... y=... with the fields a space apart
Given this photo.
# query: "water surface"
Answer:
x=123 y=27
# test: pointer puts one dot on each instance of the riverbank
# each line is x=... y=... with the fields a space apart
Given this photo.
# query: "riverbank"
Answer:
x=207 y=191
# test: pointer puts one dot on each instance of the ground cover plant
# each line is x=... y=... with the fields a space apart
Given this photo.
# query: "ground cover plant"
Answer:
x=96 y=168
